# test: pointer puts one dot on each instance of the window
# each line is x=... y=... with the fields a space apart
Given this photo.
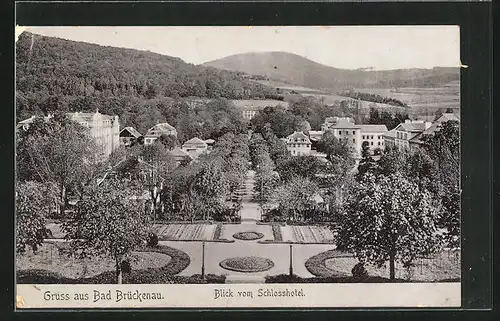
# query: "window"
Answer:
x=378 y=143
x=406 y=136
x=340 y=132
x=354 y=140
x=371 y=143
x=371 y=137
x=363 y=137
x=353 y=132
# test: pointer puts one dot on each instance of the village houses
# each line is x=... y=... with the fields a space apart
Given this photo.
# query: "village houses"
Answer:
x=158 y=130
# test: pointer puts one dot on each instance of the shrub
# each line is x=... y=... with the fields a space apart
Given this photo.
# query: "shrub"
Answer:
x=359 y=271
x=152 y=240
x=277 y=233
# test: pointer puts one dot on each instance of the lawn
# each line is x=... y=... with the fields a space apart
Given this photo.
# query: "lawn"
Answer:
x=306 y=234
x=52 y=257
x=443 y=266
x=150 y=265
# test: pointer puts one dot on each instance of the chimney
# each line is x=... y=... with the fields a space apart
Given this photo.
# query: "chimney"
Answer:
x=428 y=124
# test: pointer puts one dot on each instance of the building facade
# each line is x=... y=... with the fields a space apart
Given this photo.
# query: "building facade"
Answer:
x=298 y=144
x=408 y=130
x=103 y=129
x=157 y=130
x=250 y=108
x=355 y=135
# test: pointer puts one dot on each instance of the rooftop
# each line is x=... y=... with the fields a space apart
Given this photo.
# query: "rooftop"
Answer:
x=163 y=127
x=298 y=135
x=195 y=141
x=132 y=131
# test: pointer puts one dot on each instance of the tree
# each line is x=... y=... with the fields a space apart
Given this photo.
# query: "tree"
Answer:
x=170 y=141
x=391 y=219
x=306 y=166
x=33 y=202
x=108 y=222
x=295 y=197
x=334 y=148
x=61 y=151
x=367 y=163
x=444 y=150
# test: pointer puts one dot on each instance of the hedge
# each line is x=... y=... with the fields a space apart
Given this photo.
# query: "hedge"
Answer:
x=285 y=278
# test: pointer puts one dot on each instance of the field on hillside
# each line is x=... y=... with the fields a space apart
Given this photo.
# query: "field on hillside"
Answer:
x=282 y=85
x=449 y=93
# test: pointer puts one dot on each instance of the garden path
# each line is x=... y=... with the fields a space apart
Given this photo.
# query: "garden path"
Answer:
x=250 y=211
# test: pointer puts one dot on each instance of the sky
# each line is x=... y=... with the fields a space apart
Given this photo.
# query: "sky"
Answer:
x=348 y=47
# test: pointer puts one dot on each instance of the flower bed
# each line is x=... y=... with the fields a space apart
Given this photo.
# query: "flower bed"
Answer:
x=277 y=233
x=184 y=232
x=248 y=236
x=247 y=264
x=218 y=232
x=311 y=234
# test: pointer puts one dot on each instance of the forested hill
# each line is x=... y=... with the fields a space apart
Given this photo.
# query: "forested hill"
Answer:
x=56 y=74
x=298 y=70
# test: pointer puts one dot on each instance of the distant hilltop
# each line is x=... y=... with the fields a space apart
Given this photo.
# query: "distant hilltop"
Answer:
x=294 y=69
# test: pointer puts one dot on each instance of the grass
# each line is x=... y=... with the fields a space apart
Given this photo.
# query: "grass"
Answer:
x=247 y=264
x=248 y=236
x=336 y=264
x=145 y=272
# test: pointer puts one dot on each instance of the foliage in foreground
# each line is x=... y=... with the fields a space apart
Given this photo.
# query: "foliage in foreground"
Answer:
x=389 y=220
x=108 y=222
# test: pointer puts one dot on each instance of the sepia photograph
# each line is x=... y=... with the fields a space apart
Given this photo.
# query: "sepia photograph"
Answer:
x=271 y=157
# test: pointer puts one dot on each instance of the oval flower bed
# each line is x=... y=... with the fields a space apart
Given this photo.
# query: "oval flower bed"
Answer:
x=247 y=264
x=248 y=236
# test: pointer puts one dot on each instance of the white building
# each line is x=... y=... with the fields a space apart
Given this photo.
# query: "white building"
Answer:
x=298 y=144
x=104 y=129
x=356 y=135
x=157 y=130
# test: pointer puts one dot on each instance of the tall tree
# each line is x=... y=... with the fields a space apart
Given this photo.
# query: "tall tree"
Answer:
x=367 y=164
x=389 y=220
x=295 y=197
x=61 y=151
x=109 y=221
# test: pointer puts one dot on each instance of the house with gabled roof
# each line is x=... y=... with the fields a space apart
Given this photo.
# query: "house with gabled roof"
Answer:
x=157 y=130
x=128 y=136
x=416 y=141
x=195 y=147
x=407 y=131
x=298 y=144
x=180 y=156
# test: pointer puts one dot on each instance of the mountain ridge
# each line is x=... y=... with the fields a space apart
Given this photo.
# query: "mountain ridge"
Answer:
x=299 y=70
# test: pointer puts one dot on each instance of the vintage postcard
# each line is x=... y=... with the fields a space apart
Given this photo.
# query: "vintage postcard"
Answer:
x=215 y=167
